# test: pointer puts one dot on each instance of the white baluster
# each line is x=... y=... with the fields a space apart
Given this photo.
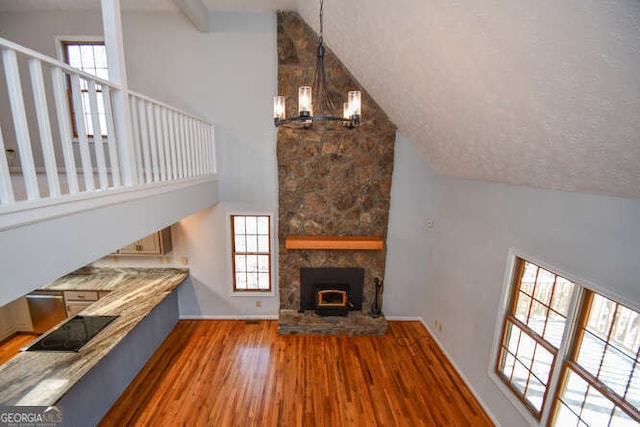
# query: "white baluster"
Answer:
x=16 y=100
x=167 y=143
x=111 y=138
x=181 y=149
x=144 y=139
x=64 y=127
x=214 y=155
x=97 y=136
x=194 y=147
x=160 y=138
x=153 y=141
x=189 y=140
x=199 y=143
x=44 y=126
x=206 y=149
x=135 y=125
x=85 y=153
x=6 y=188
x=173 y=142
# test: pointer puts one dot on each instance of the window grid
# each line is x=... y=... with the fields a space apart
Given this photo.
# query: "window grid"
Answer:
x=598 y=388
x=535 y=299
x=251 y=253
x=91 y=58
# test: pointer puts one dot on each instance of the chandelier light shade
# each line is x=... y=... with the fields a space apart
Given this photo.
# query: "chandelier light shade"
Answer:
x=325 y=109
x=304 y=101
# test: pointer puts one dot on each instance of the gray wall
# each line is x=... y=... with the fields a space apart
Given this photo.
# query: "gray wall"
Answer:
x=594 y=238
x=409 y=242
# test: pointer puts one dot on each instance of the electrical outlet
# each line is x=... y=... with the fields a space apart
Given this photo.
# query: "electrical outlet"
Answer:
x=258 y=303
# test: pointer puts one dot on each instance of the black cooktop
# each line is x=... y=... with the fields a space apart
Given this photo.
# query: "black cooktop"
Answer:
x=73 y=334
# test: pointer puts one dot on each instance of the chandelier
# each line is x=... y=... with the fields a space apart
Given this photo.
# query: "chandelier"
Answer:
x=325 y=107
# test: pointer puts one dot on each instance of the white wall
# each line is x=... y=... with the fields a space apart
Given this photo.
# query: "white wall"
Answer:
x=409 y=242
x=228 y=77
x=591 y=237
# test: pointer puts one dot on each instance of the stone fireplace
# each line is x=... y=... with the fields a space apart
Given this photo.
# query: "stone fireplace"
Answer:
x=331 y=183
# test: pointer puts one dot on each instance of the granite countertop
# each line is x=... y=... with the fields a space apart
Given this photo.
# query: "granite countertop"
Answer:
x=101 y=279
x=42 y=378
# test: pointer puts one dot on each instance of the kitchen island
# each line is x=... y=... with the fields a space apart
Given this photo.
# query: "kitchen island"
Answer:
x=85 y=384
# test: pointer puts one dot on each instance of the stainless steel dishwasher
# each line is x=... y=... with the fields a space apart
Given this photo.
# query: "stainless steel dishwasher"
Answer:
x=47 y=309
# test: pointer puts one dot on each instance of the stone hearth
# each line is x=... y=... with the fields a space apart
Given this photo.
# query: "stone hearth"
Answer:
x=330 y=184
x=357 y=323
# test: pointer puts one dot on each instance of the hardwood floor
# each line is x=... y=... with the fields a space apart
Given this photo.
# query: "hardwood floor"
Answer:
x=230 y=373
x=12 y=346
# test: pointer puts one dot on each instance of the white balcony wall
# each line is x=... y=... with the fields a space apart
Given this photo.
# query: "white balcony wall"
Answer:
x=228 y=76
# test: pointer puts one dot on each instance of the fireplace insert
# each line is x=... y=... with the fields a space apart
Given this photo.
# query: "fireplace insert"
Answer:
x=332 y=299
x=331 y=291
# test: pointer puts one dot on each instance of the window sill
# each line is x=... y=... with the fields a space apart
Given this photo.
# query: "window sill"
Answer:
x=266 y=294
x=522 y=410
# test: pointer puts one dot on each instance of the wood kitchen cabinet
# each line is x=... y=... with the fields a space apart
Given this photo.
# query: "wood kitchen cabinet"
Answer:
x=158 y=243
x=14 y=317
x=76 y=301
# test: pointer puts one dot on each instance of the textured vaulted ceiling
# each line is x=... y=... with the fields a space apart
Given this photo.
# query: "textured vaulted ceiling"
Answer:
x=542 y=93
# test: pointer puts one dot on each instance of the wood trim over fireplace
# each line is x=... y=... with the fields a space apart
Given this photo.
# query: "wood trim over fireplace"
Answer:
x=335 y=242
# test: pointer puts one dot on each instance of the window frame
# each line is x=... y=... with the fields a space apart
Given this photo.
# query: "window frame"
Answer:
x=231 y=253
x=577 y=309
x=570 y=363
x=61 y=46
x=509 y=316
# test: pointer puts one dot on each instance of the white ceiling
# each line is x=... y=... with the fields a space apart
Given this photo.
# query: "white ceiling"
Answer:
x=542 y=93
x=249 y=5
x=212 y=5
x=26 y=5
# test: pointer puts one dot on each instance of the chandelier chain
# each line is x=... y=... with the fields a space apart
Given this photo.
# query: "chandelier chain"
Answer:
x=321 y=14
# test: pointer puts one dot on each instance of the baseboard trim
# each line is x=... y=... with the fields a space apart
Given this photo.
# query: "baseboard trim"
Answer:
x=228 y=317
x=404 y=318
x=460 y=372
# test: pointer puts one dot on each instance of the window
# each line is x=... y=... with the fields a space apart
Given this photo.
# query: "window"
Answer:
x=601 y=378
x=251 y=253
x=598 y=382
x=90 y=57
x=533 y=330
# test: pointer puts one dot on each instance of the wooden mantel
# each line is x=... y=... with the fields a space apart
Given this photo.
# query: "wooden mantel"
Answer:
x=361 y=243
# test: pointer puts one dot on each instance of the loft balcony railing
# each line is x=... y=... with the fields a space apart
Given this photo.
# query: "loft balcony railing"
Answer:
x=62 y=138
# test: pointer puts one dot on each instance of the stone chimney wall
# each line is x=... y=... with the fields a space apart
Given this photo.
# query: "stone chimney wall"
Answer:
x=330 y=182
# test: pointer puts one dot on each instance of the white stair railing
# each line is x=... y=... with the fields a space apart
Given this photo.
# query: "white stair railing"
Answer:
x=169 y=144
x=76 y=146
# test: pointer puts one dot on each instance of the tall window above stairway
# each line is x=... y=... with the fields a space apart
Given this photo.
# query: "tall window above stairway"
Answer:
x=90 y=57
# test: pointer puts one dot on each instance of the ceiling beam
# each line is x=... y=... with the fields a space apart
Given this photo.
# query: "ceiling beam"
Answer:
x=197 y=13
